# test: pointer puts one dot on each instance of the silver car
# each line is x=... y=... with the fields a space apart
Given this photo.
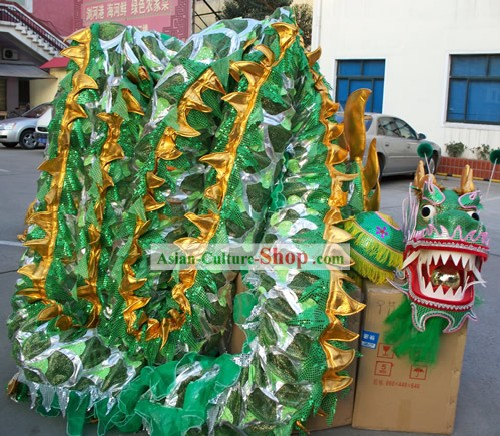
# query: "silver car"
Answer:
x=397 y=144
x=21 y=130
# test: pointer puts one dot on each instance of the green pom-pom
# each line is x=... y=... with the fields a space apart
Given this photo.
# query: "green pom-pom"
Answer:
x=495 y=157
x=425 y=150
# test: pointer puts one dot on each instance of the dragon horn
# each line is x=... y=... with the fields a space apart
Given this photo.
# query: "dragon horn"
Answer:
x=466 y=182
x=421 y=177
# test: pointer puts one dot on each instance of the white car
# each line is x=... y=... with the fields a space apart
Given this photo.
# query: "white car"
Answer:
x=397 y=144
x=42 y=128
x=21 y=130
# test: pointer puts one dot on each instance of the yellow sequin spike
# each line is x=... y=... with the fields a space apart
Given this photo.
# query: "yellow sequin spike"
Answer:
x=111 y=150
x=154 y=181
x=186 y=281
x=339 y=303
x=133 y=105
x=130 y=283
x=41 y=219
x=150 y=203
x=206 y=224
x=166 y=149
x=82 y=36
x=192 y=100
x=77 y=54
x=332 y=382
x=51 y=166
x=338 y=155
x=222 y=162
x=56 y=167
x=80 y=82
x=268 y=53
x=238 y=100
x=313 y=56
x=41 y=246
x=51 y=311
x=287 y=34
x=251 y=70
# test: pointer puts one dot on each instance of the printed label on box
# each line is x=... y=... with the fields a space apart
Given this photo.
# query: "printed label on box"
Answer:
x=385 y=351
x=383 y=368
x=418 y=372
x=369 y=339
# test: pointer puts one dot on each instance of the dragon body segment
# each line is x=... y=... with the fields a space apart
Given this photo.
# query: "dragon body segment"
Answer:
x=229 y=138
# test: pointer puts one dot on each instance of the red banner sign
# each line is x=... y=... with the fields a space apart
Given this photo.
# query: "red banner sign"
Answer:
x=173 y=17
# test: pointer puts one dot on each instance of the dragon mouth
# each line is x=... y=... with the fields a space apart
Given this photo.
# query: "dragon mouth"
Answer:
x=442 y=273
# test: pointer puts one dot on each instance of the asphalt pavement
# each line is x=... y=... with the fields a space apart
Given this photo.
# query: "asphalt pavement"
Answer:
x=478 y=410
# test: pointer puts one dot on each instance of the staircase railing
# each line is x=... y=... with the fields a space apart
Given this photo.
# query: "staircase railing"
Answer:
x=14 y=13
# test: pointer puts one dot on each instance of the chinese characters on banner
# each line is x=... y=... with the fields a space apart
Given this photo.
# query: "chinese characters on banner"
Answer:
x=173 y=17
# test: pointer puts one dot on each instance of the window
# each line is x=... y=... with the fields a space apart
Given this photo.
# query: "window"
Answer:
x=474 y=89
x=356 y=74
x=405 y=131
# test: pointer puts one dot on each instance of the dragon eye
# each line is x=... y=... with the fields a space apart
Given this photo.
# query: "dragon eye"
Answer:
x=474 y=215
x=428 y=211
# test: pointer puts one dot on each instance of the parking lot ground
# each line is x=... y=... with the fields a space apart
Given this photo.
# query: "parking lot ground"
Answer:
x=478 y=402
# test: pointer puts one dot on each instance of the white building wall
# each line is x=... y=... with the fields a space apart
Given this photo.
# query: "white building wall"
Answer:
x=416 y=39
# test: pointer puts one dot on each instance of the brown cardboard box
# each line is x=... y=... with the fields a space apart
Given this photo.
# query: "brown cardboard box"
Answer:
x=391 y=394
x=345 y=403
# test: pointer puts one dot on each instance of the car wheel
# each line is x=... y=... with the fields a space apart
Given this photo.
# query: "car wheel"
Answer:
x=432 y=167
x=27 y=139
x=9 y=144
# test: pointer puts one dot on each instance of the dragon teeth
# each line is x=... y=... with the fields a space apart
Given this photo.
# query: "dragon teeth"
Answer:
x=445 y=255
x=456 y=257
x=478 y=275
x=410 y=259
x=445 y=294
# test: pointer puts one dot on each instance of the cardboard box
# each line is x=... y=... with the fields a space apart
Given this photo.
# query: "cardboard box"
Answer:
x=392 y=394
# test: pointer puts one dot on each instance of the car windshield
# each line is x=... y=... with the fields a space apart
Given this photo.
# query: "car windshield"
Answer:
x=37 y=111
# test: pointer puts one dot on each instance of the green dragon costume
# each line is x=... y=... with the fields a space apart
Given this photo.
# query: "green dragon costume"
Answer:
x=229 y=138
x=446 y=246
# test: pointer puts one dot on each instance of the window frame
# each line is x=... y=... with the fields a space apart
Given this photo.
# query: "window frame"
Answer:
x=468 y=79
x=370 y=78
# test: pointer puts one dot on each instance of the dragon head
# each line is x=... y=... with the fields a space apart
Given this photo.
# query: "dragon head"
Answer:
x=446 y=246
